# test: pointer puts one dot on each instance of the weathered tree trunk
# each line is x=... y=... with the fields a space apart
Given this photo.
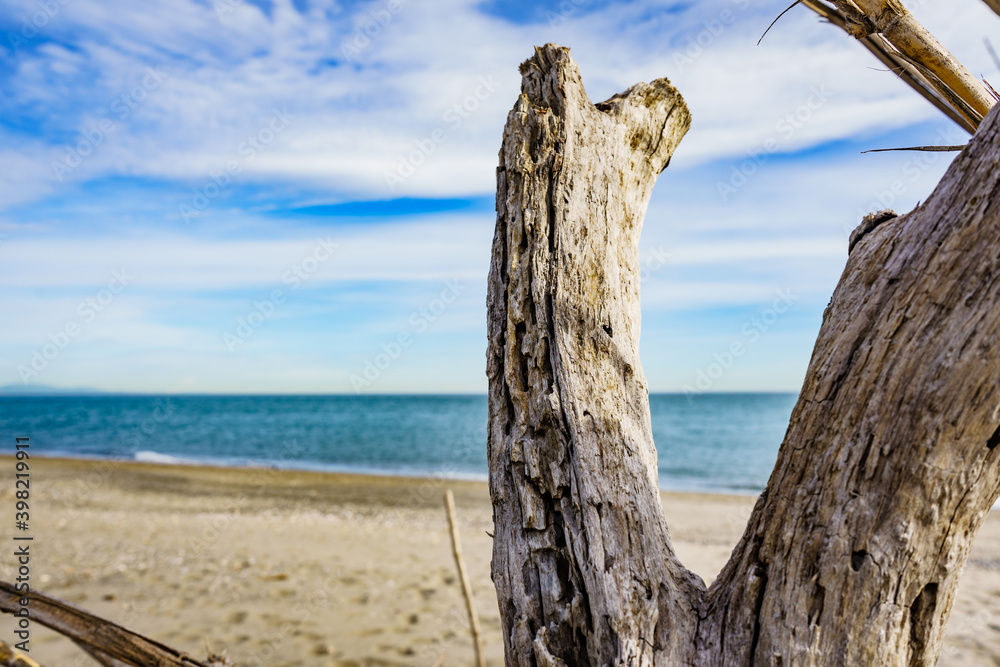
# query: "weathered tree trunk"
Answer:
x=889 y=466
x=582 y=561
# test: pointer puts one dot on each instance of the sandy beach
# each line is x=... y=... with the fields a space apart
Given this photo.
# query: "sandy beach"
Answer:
x=297 y=568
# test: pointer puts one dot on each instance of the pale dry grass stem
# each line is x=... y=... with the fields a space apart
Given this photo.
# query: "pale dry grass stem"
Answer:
x=895 y=37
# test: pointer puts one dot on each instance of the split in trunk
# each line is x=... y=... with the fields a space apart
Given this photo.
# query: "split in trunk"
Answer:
x=889 y=466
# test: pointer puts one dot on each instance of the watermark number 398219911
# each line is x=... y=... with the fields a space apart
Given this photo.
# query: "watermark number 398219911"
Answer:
x=22 y=540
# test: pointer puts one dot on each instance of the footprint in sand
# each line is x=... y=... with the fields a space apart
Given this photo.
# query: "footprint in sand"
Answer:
x=236 y=617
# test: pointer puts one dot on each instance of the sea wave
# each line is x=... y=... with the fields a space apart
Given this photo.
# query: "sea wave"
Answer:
x=156 y=457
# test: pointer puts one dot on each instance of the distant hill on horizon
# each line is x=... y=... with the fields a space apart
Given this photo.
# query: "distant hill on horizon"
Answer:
x=47 y=390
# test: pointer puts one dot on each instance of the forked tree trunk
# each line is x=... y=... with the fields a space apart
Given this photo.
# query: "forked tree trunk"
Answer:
x=889 y=466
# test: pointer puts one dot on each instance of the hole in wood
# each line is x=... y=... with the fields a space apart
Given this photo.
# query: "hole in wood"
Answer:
x=921 y=617
x=994 y=439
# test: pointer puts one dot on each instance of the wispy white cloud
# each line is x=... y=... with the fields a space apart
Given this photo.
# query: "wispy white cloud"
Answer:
x=417 y=110
x=355 y=118
x=413 y=251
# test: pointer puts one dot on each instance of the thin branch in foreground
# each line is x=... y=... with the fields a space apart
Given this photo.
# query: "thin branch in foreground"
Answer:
x=993 y=54
x=930 y=149
x=776 y=20
x=917 y=58
x=894 y=22
x=107 y=642
x=992 y=90
x=463 y=574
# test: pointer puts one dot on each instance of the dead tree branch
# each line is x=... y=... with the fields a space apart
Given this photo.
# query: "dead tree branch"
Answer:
x=107 y=642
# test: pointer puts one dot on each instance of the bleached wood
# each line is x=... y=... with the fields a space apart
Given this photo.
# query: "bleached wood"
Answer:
x=889 y=466
x=584 y=570
x=928 y=86
x=894 y=21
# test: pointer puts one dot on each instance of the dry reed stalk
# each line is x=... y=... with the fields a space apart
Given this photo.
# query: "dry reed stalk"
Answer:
x=894 y=36
x=108 y=643
x=456 y=549
x=11 y=658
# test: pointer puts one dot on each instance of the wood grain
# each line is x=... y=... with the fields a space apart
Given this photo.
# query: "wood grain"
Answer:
x=889 y=466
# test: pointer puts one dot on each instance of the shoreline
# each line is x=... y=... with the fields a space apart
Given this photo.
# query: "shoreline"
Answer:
x=284 y=567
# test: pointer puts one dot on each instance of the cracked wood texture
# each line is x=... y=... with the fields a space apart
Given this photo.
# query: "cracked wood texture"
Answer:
x=888 y=468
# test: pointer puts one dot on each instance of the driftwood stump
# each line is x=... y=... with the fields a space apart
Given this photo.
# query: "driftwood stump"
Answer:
x=889 y=466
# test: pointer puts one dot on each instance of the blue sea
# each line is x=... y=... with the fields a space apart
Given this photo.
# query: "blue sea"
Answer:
x=709 y=442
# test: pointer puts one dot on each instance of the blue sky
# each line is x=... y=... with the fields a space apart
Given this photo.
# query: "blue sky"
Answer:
x=297 y=196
